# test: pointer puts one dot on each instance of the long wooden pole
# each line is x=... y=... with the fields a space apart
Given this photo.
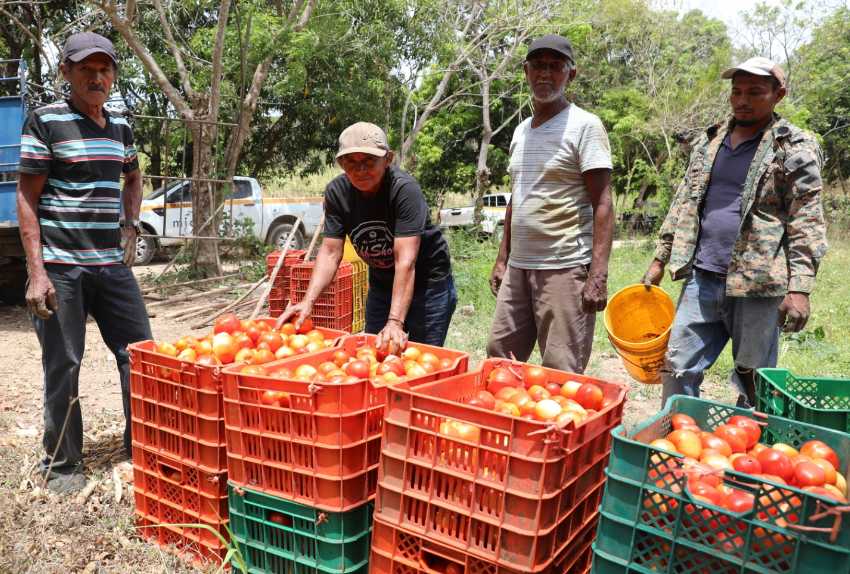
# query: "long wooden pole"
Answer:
x=217 y=314
x=276 y=270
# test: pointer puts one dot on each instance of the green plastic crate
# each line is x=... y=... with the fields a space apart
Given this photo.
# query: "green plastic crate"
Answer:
x=650 y=524
x=305 y=540
x=819 y=401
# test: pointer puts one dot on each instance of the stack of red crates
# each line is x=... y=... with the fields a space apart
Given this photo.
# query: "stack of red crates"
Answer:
x=279 y=296
x=334 y=308
x=179 y=454
x=519 y=496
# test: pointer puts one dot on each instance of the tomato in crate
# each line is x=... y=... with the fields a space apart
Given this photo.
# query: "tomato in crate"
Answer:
x=506 y=487
x=308 y=428
x=769 y=501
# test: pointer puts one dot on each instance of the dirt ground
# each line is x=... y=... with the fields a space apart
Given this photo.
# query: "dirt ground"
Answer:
x=42 y=533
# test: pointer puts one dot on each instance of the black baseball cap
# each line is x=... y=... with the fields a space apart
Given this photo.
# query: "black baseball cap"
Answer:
x=552 y=42
x=80 y=46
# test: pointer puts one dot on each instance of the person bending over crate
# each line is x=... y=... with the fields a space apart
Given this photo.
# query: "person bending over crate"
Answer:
x=747 y=232
x=382 y=210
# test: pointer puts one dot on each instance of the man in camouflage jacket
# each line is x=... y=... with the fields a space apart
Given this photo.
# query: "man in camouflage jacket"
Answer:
x=746 y=229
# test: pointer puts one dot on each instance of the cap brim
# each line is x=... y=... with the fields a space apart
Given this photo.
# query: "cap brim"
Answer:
x=754 y=71
x=556 y=50
x=83 y=54
x=370 y=150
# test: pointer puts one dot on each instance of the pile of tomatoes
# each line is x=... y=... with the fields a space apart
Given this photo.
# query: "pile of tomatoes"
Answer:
x=735 y=446
x=366 y=362
x=245 y=341
x=529 y=393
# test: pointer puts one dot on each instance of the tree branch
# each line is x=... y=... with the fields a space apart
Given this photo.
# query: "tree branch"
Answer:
x=182 y=72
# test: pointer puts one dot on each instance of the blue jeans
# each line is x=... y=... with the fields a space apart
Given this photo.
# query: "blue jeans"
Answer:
x=110 y=294
x=705 y=321
x=429 y=314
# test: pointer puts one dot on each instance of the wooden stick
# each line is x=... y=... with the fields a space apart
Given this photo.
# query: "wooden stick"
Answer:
x=193 y=282
x=244 y=296
x=191 y=310
x=193 y=296
x=237 y=307
x=276 y=269
x=316 y=234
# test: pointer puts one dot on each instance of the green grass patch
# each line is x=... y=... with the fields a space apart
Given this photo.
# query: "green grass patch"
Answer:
x=822 y=349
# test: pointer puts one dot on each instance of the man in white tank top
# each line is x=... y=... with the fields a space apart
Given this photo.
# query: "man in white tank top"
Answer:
x=550 y=276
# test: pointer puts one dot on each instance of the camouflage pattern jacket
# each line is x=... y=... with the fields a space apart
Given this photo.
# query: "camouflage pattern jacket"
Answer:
x=782 y=236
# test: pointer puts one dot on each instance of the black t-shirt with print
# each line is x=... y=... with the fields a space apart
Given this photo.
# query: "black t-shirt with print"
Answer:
x=372 y=222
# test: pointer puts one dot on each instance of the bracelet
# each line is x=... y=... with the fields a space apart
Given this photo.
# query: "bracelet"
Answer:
x=399 y=321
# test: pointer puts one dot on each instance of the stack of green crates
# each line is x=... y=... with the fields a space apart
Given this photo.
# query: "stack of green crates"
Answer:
x=277 y=536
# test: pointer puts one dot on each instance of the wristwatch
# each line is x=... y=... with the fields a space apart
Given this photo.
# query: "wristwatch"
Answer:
x=134 y=223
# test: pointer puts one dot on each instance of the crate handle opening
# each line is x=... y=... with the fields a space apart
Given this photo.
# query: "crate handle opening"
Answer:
x=171 y=472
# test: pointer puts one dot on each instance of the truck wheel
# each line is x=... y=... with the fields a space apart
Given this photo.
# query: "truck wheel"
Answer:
x=278 y=236
x=145 y=250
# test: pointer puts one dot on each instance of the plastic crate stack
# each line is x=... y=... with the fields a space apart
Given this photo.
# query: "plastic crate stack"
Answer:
x=650 y=522
x=303 y=469
x=335 y=306
x=819 y=401
x=514 y=496
x=360 y=284
x=179 y=458
x=279 y=295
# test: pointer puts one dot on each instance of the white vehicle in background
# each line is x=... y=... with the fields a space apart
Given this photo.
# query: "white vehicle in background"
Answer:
x=166 y=216
x=493 y=209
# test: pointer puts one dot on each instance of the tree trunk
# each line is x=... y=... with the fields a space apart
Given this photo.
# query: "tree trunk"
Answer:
x=204 y=251
x=482 y=172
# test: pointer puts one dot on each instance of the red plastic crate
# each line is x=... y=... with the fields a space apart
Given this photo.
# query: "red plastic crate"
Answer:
x=335 y=306
x=168 y=493
x=323 y=449
x=176 y=406
x=279 y=294
x=514 y=496
x=396 y=551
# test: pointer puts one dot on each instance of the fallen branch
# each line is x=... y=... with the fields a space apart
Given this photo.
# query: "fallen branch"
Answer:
x=193 y=296
x=147 y=290
x=242 y=305
x=244 y=296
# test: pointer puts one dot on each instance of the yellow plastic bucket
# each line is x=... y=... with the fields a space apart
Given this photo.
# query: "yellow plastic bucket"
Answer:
x=638 y=322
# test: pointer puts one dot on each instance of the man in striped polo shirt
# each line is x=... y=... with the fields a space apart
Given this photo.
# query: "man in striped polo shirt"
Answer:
x=550 y=276
x=74 y=218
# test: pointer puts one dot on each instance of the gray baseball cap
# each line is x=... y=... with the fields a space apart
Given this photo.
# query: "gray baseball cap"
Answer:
x=757 y=66
x=80 y=46
x=552 y=42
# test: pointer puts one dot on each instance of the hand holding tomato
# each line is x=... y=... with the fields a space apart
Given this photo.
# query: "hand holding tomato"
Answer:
x=301 y=311
x=392 y=339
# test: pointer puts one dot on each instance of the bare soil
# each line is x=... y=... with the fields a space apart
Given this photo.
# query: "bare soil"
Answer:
x=43 y=533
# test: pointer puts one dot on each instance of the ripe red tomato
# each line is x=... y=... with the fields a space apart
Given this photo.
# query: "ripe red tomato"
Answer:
x=263 y=356
x=500 y=378
x=279 y=518
x=809 y=474
x=534 y=376
x=306 y=326
x=739 y=501
x=680 y=420
x=488 y=401
x=700 y=488
x=752 y=427
x=777 y=463
x=359 y=369
x=272 y=339
x=736 y=437
x=538 y=393
x=714 y=442
x=224 y=347
x=341 y=357
x=747 y=464
x=275 y=398
x=590 y=396
x=227 y=323
x=818 y=449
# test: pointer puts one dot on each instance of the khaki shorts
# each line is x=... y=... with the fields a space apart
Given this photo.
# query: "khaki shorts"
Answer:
x=543 y=306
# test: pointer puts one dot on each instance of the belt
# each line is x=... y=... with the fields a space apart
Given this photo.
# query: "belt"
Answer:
x=714 y=274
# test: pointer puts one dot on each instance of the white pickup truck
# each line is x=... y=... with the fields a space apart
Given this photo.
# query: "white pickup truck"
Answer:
x=166 y=216
x=493 y=212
